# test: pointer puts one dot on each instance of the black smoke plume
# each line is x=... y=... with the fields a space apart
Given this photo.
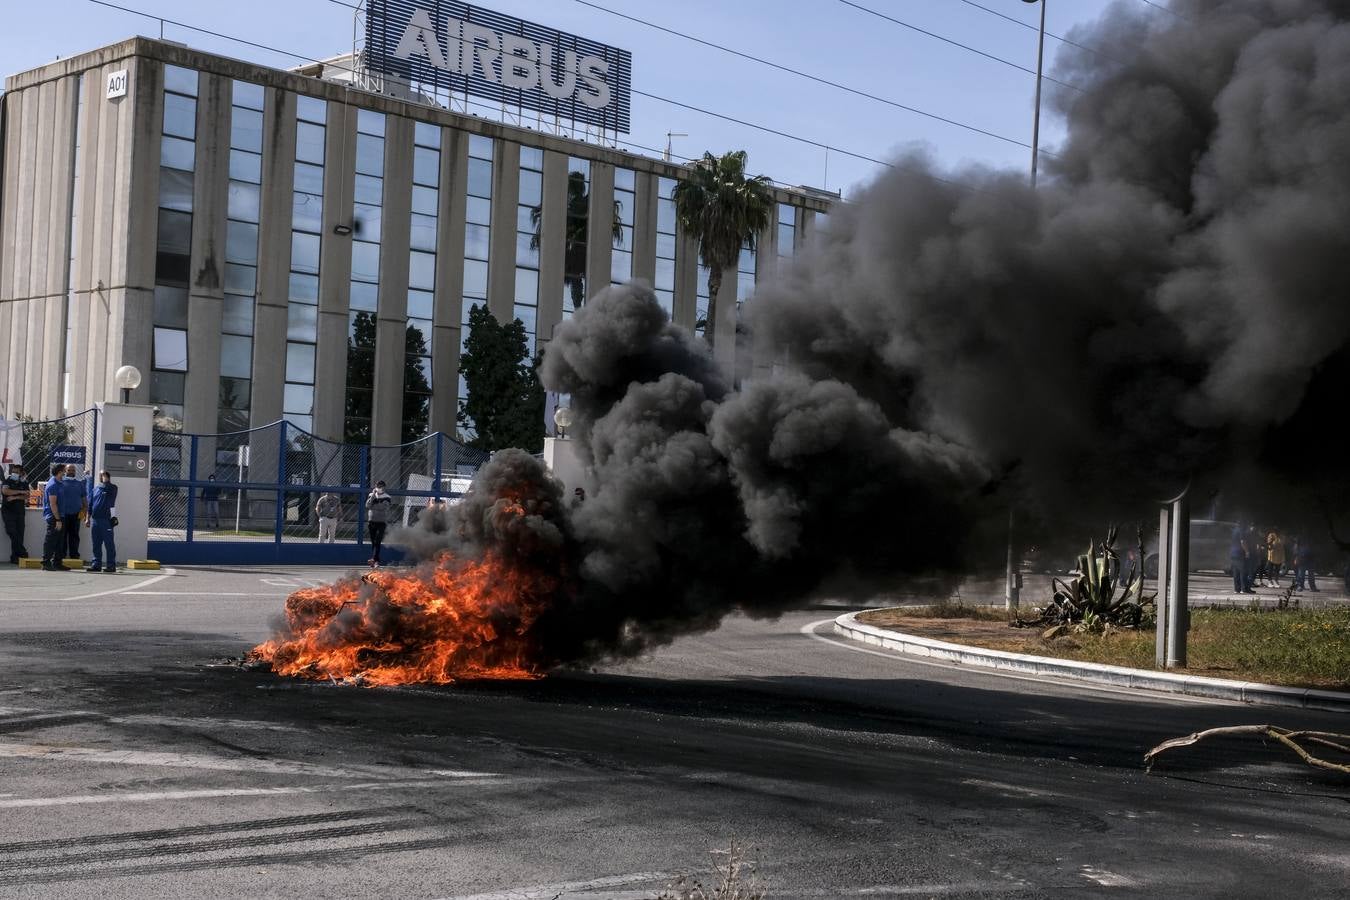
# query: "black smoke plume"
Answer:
x=1169 y=307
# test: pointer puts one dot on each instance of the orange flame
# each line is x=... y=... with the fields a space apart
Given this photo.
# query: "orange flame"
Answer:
x=446 y=620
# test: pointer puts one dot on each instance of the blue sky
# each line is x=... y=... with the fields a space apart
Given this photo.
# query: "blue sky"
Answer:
x=826 y=38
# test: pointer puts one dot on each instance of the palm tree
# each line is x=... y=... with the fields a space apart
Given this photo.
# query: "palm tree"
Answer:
x=722 y=209
x=574 y=250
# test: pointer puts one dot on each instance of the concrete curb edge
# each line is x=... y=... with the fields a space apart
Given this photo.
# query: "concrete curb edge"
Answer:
x=1116 y=676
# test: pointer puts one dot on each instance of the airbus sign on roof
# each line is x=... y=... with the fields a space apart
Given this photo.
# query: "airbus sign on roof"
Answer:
x=457 y=47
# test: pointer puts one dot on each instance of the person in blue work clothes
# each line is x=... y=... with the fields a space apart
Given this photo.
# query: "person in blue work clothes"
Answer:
x=102 y=519
x=53 y=502
x=72 y=510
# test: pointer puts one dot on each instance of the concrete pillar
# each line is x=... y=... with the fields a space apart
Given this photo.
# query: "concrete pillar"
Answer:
x=600 y=228
x=502 y=252
x=724 y=347
x=686 y=281
x=206 y=288
x=644 y=226
x=392 y=317
x=552 y=243
x=449 y=280
x=128 y=163
x=274 y=258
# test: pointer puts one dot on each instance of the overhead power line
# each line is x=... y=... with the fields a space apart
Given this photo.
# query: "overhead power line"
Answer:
x=801 y=74
x=947 y=40
x=1016 y=21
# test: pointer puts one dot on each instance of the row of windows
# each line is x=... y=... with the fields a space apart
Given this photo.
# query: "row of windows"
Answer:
x=297 y=402
x=241 y=256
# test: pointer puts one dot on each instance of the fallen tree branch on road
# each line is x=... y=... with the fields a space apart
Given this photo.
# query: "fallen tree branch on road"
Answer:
x=1290 y=738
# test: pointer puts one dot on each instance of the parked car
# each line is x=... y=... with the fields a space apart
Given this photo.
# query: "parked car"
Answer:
x=1210 y=541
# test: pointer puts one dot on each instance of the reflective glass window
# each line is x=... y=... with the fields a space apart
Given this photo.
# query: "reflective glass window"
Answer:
x=241 y=243
x=532 y=158
x=309 y=140
x=302 y=322
x=665 y=245
x=426 y=166
x=422 y=270
x=623 y=207
x=369 y=155
x=237 y=314
x=665 y=274
x=248 y=94
x=579 y=166
x=526 y=314
x=311 y=109
x=531 y=188
x=175 y=232
x=526 y=254
x=236 y=356
x=300 y=364
x=421 y=304
x=243 y=201
x=370 y=122
x=167 y=387
x=621 y=266
x=361 y=332
x=307 y=213
x=476 y=241
x=425 y=200
x=527 y=286
x=303 y=288
x=180 y=80
x=246 y=128
x=426 y=135
x=475 y=278
x=525 y=218
x=365 y=261
x=366 y=221
x=665 y=216
x=176 y=153
x=171 y=306
x=240 y=279
x=234 y=392
x=423 y=234
x=305 y=252
x=480 y=178
x=364 y=296
x=298 y=399
x=309 y=179
x=624 y=180
x=180 y=116
x=175 y=190
x=786 y=237
x=170 y=351
x=245 y=166
x=480 y=146
x=478 y=211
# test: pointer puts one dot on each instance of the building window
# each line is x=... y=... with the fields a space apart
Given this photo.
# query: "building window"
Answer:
x=578 y=219
x=787 y=231
x=241 y=256
x=666 y=245
x=745 y=274
x=621 y=262
x=367 y=222
x=477 y=239
x=173 y=244
x=297 y=402
x=529 y=216
x=417 y=382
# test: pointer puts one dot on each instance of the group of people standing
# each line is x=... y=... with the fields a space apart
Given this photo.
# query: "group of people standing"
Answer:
x=67 y=500
x=1262 y=560
x=379 y=513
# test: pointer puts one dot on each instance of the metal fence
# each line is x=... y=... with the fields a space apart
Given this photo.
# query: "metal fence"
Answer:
x=67 y=440
x=251 y=496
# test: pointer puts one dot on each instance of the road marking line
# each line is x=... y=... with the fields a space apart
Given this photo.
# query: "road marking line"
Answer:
x=562 y=888
x=117 y=590
x=191 y=593
x=809 y=630
x=13 y=750
x=206 y=794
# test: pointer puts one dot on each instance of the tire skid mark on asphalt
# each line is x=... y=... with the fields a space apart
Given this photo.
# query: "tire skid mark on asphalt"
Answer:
x=96 y=756
x=215 y=845
x=156 y=834
x=568 y=888
x=21 y=714
x=344 y=853
x=219 y=793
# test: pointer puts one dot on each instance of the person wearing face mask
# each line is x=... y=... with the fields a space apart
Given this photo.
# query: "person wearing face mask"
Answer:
x=379 y=507
x=101 y=520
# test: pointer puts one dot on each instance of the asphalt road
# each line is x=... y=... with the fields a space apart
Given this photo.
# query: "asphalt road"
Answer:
x=133 y=766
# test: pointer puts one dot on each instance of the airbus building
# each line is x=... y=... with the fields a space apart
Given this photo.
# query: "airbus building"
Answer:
x=306 y=244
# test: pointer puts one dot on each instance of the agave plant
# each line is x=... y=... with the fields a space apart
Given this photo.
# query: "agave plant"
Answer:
x=1098 y=596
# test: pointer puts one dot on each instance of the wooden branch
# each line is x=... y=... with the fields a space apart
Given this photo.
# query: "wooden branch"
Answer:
x=1284 y=735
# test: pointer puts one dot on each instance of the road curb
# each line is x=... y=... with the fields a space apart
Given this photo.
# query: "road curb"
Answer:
x=1096 y=673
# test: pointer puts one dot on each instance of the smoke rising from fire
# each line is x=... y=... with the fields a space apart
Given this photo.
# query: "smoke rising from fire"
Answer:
x=1168 y=307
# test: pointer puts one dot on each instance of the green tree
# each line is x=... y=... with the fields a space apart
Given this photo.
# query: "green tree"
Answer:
x=574 y=247
x=505 y=406
x=722 y=209
x=361 y=381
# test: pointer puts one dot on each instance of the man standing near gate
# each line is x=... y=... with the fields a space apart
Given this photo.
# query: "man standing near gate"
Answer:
x=15 y=501
x=54 y=545
x=73 y=507
x=102 y=519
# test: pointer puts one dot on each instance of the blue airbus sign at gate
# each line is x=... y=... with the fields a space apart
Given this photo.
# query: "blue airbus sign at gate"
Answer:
x=457 y=47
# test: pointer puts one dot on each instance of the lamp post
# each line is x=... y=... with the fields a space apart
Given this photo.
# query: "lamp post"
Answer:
x=128 y=378
x=562 y=417
x=1036 y=122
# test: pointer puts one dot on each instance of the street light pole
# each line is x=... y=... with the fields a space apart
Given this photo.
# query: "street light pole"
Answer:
x=1036 y=122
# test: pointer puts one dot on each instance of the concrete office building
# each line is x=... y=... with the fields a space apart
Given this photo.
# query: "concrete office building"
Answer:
x=267 y=244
